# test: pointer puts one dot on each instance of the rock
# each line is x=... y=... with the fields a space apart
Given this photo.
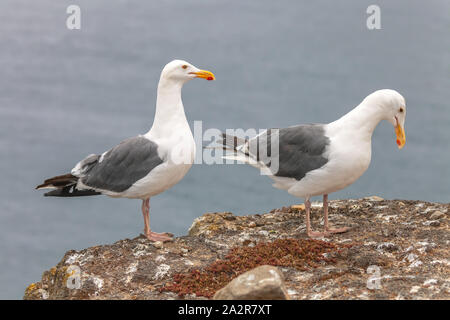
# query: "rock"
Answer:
x=436 y=215
x=403 y=246
x=388 y=246
x=374 y=198
x=158 y=244
x=262 y=283
x=411 y=257
x=298 y=206
x=432 y=223
x=414 y=289
x=429 y=283
x=361 y=259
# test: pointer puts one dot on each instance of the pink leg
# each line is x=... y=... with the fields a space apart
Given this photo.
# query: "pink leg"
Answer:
x=309 y=232
x=153 y=236
x=325 y=213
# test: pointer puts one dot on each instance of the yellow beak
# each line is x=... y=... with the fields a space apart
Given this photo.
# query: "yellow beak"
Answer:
x=401 y=138
x=204 y=74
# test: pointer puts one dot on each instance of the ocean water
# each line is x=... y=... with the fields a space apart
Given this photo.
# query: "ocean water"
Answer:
x=67 y=93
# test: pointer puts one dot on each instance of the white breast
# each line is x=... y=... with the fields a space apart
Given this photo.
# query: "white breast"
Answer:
x=178 y=153
x=348 y=158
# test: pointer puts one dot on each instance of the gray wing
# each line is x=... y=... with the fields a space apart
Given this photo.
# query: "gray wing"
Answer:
x=119 y=168
x=301 y=149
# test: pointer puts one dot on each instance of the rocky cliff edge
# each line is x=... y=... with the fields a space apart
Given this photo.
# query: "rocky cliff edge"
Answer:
x=395 y=250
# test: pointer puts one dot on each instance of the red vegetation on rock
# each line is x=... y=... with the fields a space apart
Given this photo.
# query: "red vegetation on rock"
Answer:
x=300 y=254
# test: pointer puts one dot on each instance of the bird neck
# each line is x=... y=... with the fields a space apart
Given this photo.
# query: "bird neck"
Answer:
x=169 y=107
x=362 y=119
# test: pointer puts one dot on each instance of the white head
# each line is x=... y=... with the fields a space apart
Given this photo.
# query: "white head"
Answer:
x=393 y=108
x=182 y=71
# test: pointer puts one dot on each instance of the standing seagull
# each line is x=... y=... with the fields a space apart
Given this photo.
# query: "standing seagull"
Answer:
x=146 y=165
x=318 y=159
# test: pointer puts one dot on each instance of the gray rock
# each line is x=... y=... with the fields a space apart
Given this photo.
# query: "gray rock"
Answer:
x=264 y=282
x=388 y=246
x=435 y=223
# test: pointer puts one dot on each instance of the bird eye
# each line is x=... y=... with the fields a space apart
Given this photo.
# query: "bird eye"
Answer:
x=184 y=66
x=401 y=110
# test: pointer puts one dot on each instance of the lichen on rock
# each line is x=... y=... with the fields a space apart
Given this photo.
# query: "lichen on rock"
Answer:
x=395 y=250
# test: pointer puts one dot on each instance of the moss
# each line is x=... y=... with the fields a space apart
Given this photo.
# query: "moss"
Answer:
x=300 y=254
x=213 y=227
x=66 y=274
x=53 y=271
x=30 y=288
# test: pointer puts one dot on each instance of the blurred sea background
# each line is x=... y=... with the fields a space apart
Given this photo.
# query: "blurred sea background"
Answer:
x=67 y=93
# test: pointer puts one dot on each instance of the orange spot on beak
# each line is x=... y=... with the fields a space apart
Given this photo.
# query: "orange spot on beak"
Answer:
x=400 y=133
x=204 y=74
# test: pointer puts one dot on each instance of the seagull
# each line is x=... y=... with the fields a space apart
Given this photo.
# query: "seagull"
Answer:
x=146 y=165
x=318 y=159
